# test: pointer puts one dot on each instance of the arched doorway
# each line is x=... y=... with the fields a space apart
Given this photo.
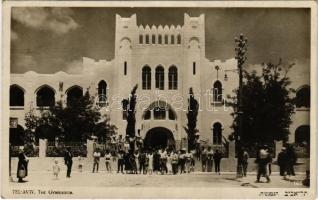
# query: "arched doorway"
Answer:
x=302 y=134
x=159 y=137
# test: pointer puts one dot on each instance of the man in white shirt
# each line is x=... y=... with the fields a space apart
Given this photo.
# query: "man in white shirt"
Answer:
x=96 y=156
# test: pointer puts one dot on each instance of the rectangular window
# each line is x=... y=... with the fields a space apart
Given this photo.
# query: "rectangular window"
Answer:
x=125 y=68
x=194 y=68
x=140 y=39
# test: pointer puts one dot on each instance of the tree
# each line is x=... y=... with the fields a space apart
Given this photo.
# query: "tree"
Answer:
x=129 y=107
x=267 y=104
x=191 y=130
x=76 y=122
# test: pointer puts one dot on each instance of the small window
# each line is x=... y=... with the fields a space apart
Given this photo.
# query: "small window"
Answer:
x=159 y=39
x=125 y=68
x=140 y=39
x=172 y=39
x=147 y=39
x=153 y=39
x=194 y=66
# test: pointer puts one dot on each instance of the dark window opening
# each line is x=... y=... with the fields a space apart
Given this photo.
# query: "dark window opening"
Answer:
x=125 y=68
x=160 y=78
x=173 y=78
x=217 y=133
x=194 y=70
x=16 y=96
x=45 y=97
x=146 y=78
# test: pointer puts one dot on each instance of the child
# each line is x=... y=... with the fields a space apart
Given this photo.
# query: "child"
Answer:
x=80 y=164
x=56 y=169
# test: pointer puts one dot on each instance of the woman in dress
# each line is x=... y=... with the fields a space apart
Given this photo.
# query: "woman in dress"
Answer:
x=150 y=162
x=22 y=169
x=169 y=163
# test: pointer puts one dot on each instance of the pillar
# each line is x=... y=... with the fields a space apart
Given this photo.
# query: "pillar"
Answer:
x=90 y=148
x=42 y=148
x=231 y=149
x=278 y=147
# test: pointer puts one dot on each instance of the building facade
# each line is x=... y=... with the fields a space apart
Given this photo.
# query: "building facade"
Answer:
x=165 y=62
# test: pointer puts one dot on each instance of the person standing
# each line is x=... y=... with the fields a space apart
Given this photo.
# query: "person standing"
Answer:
x=68 y=160
x=120 y=162
x=22 y=169
x=169 y=163
x=136 y=165
x=282 y=162
x=182 y=160
x=209 y=159
x=108 y=157
x=56 y=169
x=245 y=162
x=291 y=160
x=174 y=162
x=217 y=161
x=204 y=156
x=96 y=156
x=142 y=162
x=150 y=159
x=262 y=160
x=156 y=161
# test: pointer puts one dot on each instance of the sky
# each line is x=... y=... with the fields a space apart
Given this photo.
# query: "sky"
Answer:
x=47 y=40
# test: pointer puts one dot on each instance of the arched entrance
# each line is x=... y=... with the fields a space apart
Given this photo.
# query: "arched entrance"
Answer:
x=159 y=137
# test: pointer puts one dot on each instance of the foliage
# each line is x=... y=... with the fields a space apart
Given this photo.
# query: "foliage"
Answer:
x=192 y=115
x=129 y=106
x=267 y=104
x=76 y=122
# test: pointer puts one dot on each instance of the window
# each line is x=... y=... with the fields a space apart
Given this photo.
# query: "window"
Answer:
x=303 y=97
x=193 y=66
x=153 y=39
x=179 y=39
x=73 y=95
x=16 y=96
x=102 y=93
x=147 y=39
x=302 y=134
x=166 y=39
x=160 y=78
x=172 y=39
x=159 y=113
x=146 y=78
x=217 y=133
x=141 y=38
x=159 y=39
x=173 y=78
x=147 y=115
x=125 y=68
x=45 y=96
x=217 y=92
x=171 y=114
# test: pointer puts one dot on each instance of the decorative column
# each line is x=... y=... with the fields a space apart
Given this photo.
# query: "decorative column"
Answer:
x=42 y=148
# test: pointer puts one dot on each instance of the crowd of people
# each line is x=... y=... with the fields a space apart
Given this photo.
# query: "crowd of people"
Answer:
x=171 y=162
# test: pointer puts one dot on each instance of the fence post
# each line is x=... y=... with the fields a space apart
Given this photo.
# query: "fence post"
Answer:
x=90 y=148
x=231 y=149
x=278 y=147
x=42 y=148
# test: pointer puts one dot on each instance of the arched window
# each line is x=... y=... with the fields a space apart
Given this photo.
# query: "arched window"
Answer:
x=45 y=96
x=159 y=39
x=173 y=78
x=217 y=133
x=179 y=39
x=16 y=96
x=166 y=39
x=302 y=134
x=147 y=115
x=172 y=39
x=146 y=78
x=153 y=40
x=159 y=113
x=160 y=78
x=102 y=93
x=73 y=95
x=217 y=92
x=303 y=97
x=141 y=38
x=147 y=39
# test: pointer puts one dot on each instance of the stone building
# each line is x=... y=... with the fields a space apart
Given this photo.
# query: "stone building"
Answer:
x=165 y=62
